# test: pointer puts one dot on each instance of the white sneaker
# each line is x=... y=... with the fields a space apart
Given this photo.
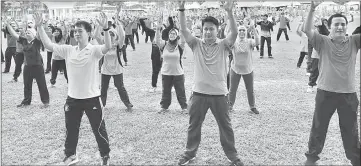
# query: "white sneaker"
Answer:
x=152 y=89
x=308 y=74
x=71 y=160
x=51 y=86
x=309 y=89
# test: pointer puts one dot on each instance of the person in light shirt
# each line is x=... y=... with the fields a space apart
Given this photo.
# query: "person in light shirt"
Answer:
x=111 y=65
x=304 y=44
x=172 y=69
x=242 y=66
x=83 y=88
x=336 y=88
x=210 y=84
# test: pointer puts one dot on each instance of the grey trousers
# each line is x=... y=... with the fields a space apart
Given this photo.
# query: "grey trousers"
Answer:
x=248 y=81
x=198 y=107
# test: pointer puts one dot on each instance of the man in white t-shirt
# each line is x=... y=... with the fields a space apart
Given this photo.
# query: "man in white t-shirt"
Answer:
x=83 y=88
x=209 y=88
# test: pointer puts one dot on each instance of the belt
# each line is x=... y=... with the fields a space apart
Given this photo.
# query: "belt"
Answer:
x=206 y=95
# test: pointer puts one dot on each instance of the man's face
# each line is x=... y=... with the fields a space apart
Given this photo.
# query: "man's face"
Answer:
x=209 y=30
x=264 y=17
x=80 y=34
x=338 y=27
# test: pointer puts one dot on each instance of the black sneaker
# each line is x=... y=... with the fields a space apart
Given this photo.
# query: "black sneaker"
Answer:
x=5 y=71
x=254 y=110
x=237 y=163
x=185 y=160
x=105 y=160
x=22 y=105
x=47 y=71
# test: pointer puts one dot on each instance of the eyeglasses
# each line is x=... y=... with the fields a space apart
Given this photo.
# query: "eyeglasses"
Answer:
x=242 y=30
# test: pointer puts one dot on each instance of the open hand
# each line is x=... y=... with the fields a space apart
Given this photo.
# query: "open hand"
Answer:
x=228 y=6
x=314 y=4
x=103 y=20
x=38 y=18
x=181 y=4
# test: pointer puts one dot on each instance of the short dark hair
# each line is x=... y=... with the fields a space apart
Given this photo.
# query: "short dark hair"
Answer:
x=85 y=24
x=329 y=22
x=210 y=19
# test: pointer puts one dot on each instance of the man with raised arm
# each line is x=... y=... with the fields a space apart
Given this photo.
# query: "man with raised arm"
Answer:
x=336 y=86
x=83 y=87
x=210 y=87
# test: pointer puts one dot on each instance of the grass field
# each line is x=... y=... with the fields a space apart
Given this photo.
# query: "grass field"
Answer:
x=277 y=136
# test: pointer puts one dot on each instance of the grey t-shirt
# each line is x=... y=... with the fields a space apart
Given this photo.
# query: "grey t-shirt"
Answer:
x=210 y=66
x=336 y=66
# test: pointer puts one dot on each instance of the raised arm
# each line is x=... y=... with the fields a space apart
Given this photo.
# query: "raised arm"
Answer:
x=183 y=26
x=103 y=22
x=309 y=21
x=41 y=32
x=121 y=33
x=158 y=35
x=10 y=29
x=232 y=36
x=97 y=34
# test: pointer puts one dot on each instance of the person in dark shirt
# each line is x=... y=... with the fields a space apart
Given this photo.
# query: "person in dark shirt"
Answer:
x=266 y=28
x=33 y=68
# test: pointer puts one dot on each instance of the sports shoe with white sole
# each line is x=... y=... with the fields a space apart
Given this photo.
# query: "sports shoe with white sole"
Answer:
x=185 y=160
x=152 y=89
x=105 y=160
x=71 y=160
x=309 y=89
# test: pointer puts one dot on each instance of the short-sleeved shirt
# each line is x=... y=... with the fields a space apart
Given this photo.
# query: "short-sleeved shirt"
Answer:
x=82 y=68
x=242 y=62
x=336 y=65
x=32 y=56
x=210 y=66
x=111 y=65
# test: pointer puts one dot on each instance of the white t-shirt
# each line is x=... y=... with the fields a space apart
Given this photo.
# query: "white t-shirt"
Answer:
x=82 y=68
